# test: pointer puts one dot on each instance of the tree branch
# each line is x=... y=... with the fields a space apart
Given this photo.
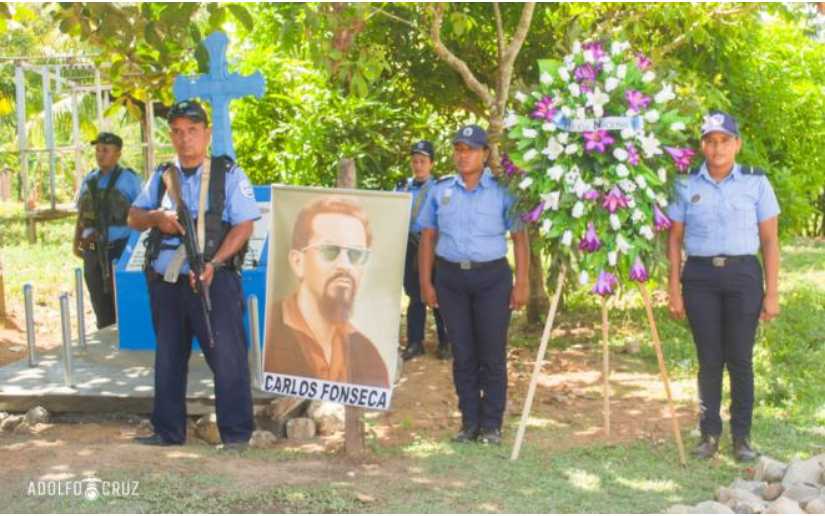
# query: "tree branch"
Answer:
x=499 y=29
x=456 y=63
x=508 y=58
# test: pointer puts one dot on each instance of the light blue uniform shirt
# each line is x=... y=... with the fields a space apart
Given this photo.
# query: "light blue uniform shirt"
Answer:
x=128 y=183
x=722 y=218
x=240 y=205
x=471 y=224
x=416 y=189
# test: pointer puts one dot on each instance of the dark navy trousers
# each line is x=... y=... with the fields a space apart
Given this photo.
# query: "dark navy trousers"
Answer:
x=723 y=306
x=417 y=309
x=103 y=302
x=177 y=317
x=475 y=305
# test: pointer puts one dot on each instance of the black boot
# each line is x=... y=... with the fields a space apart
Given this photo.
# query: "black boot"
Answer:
x=413 y=350
x=707 y=447
x=742 y=450
x=466 y=435
x=443 y=352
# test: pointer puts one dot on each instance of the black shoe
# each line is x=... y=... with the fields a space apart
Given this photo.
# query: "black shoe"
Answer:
x=155 y=440
x=466 y=435
x=413 y=350
x=490 y=436
x=707 y=447
x=443 y=352
x=742 y=450
x=236 y=447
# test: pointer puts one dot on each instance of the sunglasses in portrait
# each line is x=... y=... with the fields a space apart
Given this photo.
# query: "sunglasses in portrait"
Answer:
x=330 y=252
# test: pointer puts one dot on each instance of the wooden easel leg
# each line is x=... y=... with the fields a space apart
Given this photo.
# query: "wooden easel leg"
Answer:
x=545 y=338
x=605 y=367
x=657 y=344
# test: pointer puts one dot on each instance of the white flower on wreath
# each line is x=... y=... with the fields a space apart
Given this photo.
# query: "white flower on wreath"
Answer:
x=577 y=47
x=640 y=180
x=650 y=193
x=662 y=173
x=608 y=66
x=551 y=200
x=628 y=133
x=571 y=149
x=620 y=154
x=588 y=56
x=611 y=84
x=567 y=238
x=621 y=71
x=584 y=278
x=677 y=127
x=525 y=183
x=546 y=78
x=566 y=111
x=580 y=113
x=637 y=216
x=510 y=120
x=546 y=225
x=622 y=245
x=564 y=74
x=530 y=154
x=652 y=116
x=599 y=181
x=631 y=203
x=555 y=172
x=528 y=132
x=578 y=210
x=553 y=149
x=615 y=223
x=549 y=127
x=521 y=97
x=627 y=185
x=664 y=95
x=563 y=137
x=646 y=232
x=581 y=188
x=661 y=200
x=648 y=76
x=597 y=99
x=617 y=47
x=575 y=89
x=612 y=258
x=650 y=145
x=622 y=170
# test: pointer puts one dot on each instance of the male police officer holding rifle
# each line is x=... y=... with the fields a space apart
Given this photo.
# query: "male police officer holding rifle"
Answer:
x=220 y=195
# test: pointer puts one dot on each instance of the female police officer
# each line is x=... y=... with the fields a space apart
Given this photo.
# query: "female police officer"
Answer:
x=722 y=212
x=465 y=218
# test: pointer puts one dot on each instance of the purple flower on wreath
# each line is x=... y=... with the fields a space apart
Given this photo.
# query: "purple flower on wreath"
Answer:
x=605 y=284
x=681 y=157
x=636 y=100
x=596 y=47
x=586 y=72
x=597 y=140
x=544 y=109
x=614 y=200
x=591 y=195
x=590 y=242
x=632 y=154
x=534 y=214
x=660 y=220
x=509 y=167
x=643 y=62
x=638 y=271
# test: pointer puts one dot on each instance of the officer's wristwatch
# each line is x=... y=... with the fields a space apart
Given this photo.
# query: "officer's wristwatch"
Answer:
x=217 y=264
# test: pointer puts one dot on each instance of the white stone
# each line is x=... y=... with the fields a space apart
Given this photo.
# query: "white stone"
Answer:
x=329 y=417
x=262 y=439
x=784 y=505
x=816 y=506
x=802 y=493
x=802 y=471
x=10 y=423
x=37 y=415
x=711 y=507
x=206 y=429
x=300 y=429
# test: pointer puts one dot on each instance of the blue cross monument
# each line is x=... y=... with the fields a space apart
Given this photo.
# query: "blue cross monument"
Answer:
x=219 y=87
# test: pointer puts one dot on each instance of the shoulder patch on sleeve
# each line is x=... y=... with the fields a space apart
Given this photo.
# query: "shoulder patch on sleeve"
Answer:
x=753 y=171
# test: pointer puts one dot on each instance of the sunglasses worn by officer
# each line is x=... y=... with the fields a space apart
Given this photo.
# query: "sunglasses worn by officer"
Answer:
x=330 y=252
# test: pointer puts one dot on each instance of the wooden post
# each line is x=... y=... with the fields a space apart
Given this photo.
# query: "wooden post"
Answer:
x=605 y=367
x=353 y=420
x=2 y=291
x=545 y=338
x=657 y=344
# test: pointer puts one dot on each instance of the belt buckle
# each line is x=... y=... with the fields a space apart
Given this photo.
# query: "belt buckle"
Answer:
x=719 y=261
x=465 y=265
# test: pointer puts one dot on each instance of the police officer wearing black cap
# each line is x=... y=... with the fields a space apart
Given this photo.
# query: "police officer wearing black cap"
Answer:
x=101 y=232
x=419 y=185
x=465 y=220
x=226 y=220
x=723 y=214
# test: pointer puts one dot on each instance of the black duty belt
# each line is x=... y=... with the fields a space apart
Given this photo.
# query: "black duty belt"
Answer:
x=468 y=265
x=722 y=261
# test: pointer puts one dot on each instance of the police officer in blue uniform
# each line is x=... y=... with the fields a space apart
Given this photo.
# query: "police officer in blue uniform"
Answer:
x=177 y=312
x=464 y=224
x=723 y=213
x=419 y=185
x=101 y=232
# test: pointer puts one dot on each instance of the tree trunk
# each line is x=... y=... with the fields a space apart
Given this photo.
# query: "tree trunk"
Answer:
x=539 y=302
x=2 y=292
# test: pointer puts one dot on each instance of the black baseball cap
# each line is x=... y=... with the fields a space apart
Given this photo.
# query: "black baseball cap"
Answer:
x=108 y=139
x=720 y=122
x=471 y=135
x=424 y=147
x=189 y=109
